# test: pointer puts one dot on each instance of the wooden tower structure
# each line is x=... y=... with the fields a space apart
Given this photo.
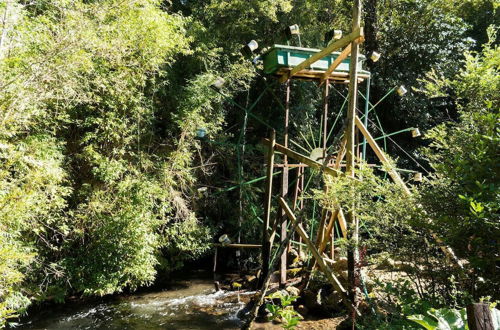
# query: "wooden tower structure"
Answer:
x=338 y=63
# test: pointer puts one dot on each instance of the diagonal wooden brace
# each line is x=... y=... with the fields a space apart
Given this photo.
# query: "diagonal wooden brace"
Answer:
x=354 y=35
x=395 y=176
x=381 y=155
x=343 y=55
x=304 y=159
x=319 y=259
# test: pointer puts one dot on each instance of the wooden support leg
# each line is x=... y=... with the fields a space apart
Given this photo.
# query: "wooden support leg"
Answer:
x=342 y=223
x=479 y=317
x=332 y=244
x=266 y=281
x=324 y=212
x=299 y=185
x=321 y=227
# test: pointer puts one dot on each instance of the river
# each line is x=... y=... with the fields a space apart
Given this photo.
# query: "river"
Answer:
x=190 y=303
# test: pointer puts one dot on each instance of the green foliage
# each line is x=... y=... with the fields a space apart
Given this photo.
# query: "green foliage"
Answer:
x=463 y=195
x=442 y=319
x=434 y=37
x=90 y=192
x=381 y=206
x=100 y=101
x=13 y=259
x=478 y=14
x=284 y=311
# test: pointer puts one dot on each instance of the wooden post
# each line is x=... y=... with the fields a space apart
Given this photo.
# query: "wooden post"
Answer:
x=298 y=189
x=266 y=281
x=352 y=254
x=216 y=283
x=479 y=317
x=332 y=244
x=284 y=187
x=325 y=117
x=324 y=212
x=266 y=245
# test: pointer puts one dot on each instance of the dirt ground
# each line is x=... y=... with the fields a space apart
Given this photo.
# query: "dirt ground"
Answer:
x=323 y=324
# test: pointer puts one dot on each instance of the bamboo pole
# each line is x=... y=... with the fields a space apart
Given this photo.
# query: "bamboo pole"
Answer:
x=266 y=245
x=284 y=187
x=352 y=254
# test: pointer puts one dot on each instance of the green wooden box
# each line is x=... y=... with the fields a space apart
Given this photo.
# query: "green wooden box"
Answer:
x=282 y=56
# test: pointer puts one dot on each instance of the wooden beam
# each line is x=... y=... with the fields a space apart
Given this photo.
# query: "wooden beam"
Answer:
x=342 y=56
x=328 y=231
x=381 y=155
x=355 y=34
x=304 y=159
x=395 y=176
x=319 y=259
x=284 y=187
x=328 y=272
x=342 y=223
x=320 y=234
x=479 y=317
x=337 y=77
x=330 y=164
x=353 y=268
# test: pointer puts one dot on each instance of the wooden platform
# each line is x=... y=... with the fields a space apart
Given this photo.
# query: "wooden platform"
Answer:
x=288 y=62
x=336 y=76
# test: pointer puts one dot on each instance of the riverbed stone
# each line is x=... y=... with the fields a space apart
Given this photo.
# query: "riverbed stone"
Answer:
x=340 y=264
x=250 y=278
x=302 y=310
x=293 y=291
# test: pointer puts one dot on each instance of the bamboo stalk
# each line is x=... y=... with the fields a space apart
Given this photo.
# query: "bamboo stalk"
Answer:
x=266 y=245
x=239 y=245
x=352 y=253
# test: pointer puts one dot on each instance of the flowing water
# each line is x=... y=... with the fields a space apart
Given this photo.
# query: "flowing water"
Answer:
x=186 y=304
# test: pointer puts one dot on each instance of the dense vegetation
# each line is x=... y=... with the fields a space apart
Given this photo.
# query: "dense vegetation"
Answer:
x=104 y=185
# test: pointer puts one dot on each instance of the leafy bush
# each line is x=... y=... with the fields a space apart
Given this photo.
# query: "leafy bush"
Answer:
x=284 y=311
x=442 y=319
x=91 y=189
x=462 y=195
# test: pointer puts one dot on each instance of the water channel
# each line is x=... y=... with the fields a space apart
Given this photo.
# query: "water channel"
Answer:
x=189 y=303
